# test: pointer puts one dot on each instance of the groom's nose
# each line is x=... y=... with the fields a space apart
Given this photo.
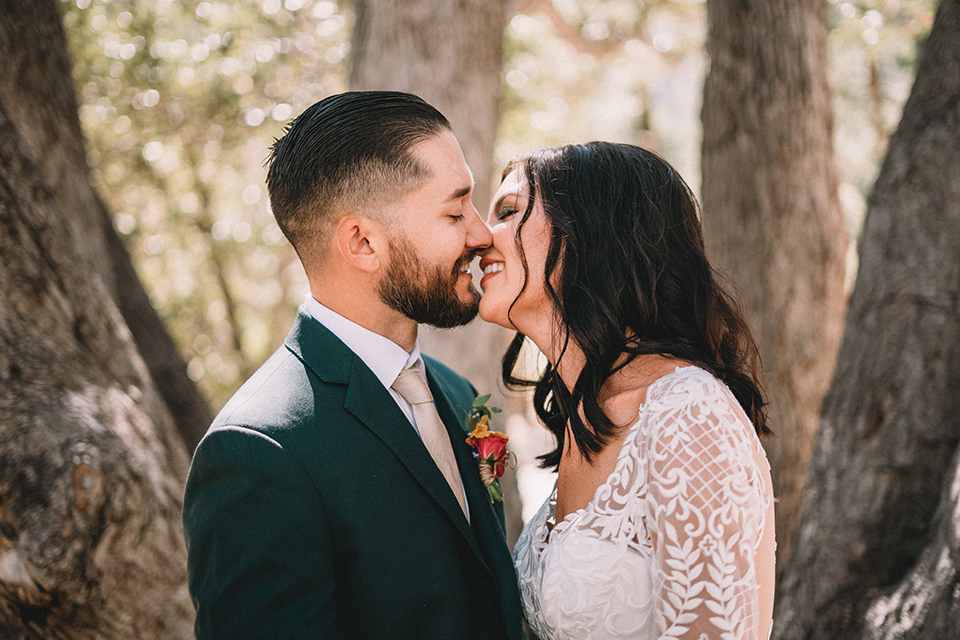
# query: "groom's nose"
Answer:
x=478 y=234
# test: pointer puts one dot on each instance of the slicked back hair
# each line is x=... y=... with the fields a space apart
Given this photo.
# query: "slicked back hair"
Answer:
x=348 y=152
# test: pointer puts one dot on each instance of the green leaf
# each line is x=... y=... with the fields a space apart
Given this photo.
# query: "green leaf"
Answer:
x=481 y=400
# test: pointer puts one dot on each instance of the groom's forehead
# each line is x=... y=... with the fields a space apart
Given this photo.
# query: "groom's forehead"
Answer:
x=449 y=178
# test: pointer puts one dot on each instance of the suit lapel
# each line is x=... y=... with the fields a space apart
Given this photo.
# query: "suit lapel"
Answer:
x=370 y=403
x=483 y=518
x=379 y=413
x=453 y=417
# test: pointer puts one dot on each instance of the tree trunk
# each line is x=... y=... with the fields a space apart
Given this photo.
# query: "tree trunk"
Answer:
x=771 y=211
x=450 y=54
x=91 y=463
x=34 y=71
x=877 y=550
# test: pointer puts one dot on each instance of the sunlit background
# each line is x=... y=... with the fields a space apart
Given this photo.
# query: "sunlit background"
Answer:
x=181 y=101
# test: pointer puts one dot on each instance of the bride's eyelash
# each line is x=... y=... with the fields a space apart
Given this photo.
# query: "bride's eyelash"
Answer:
x=505 y=212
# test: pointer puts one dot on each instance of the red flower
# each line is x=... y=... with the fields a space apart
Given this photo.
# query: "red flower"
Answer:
x=490 y=449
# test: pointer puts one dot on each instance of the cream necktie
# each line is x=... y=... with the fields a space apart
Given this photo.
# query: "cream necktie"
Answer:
x=411 y=385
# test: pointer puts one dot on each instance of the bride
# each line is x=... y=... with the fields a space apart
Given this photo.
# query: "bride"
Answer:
x=661 y=523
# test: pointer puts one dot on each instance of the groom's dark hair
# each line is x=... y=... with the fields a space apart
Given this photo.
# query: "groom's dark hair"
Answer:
x=349 y=152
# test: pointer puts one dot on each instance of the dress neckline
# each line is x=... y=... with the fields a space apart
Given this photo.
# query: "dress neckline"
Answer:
x=556 y=528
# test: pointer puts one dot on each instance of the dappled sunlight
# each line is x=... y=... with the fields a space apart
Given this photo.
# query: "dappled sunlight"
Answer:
x=181 y=101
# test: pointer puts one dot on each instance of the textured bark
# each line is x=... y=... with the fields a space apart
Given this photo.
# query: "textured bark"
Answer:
x=450 y=54
x=91 y=462
x=37 y=92
x=771 y=211
x=877 y=550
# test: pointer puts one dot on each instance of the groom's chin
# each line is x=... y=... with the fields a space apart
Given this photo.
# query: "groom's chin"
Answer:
x=470 y=301
x=454 y=315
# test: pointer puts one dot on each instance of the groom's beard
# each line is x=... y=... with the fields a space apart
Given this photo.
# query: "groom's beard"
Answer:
x=426 y=294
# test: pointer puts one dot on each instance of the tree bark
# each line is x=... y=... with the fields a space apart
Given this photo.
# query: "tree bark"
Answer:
x=771 y=211
x=877 y=550
x=35 y=71
x=450 y=54
x=91 y=463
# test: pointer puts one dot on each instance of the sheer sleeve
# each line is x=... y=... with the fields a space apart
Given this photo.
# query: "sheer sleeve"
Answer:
x=707 y=502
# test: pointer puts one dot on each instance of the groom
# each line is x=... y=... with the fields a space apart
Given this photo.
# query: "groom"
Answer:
x=331 y=498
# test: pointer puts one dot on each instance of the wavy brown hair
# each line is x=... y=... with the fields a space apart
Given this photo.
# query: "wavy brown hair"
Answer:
x=627 y=275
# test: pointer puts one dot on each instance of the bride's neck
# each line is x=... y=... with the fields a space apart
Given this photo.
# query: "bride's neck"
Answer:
x=636 y=375
x=568 y=359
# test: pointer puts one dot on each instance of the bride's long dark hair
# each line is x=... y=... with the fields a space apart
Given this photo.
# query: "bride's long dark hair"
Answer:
x=627 y=275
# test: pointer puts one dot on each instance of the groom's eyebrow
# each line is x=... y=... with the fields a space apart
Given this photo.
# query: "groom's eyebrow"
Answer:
x=464 y=190
x=459 y=193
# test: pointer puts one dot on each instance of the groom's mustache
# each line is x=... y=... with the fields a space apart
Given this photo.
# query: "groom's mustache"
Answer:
x=463 y=261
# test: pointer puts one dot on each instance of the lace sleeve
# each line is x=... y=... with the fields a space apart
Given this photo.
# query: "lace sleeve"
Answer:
x=707 y=502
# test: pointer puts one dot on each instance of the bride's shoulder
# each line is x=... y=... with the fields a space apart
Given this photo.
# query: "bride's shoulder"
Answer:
x=688 y=384
x=692 y=399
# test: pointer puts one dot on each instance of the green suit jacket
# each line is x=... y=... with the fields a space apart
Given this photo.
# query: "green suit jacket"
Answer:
x=313 y=510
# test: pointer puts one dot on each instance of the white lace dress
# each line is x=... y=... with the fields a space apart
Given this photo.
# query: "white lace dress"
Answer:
x=667 y=546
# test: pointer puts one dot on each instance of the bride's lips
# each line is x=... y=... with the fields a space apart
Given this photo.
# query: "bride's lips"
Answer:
x=490 y=269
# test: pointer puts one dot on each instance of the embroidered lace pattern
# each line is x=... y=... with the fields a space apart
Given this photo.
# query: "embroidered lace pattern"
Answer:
x=667 y=546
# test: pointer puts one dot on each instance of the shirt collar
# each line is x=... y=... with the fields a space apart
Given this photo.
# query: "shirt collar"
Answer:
x=384 y=357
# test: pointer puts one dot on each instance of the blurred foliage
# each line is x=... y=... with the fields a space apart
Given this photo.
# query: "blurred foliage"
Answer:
x=873 y=49
x=180 y=101
x=627 y=71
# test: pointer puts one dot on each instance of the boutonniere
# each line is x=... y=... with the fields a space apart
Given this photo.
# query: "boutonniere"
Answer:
x=489 y=447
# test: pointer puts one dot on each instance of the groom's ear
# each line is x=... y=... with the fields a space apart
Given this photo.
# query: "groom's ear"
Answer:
x=362 y=242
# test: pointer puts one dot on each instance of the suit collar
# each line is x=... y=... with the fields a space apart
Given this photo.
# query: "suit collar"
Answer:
x=317 y=347
x=380 y=414
x=453 y=417
x=488 y=530
x=381 y=354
